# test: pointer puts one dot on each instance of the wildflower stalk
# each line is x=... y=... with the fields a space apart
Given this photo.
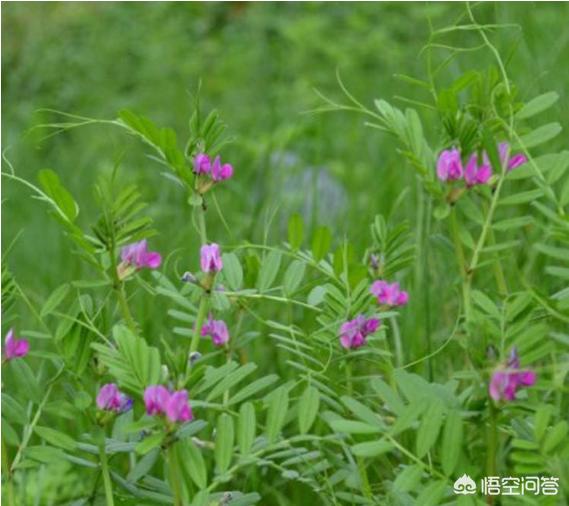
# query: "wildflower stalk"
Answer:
x=173 y=468
x=107 y=484
x=492 y=443
x=467 y=286
x=118 y=287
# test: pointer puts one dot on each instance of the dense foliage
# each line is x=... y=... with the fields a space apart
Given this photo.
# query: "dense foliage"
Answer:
x=236 y=327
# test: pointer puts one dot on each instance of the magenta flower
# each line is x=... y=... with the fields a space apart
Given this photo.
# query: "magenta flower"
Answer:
x=506 y=381
x=219 y=171
x=210 y=258
x=217 y=329
x=110 y=398
x=137 y=254
x=477 y=174
x=510 y=161
x=389 y=293
x=15 y=348
x=353 y=333
x=156 y=399
x=449 y=165
x=178 y=408
x=202 y=164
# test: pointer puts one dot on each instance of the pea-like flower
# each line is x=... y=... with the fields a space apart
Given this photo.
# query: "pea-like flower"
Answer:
x=449 y=165
x=513 y=161
x=137 y=255
x=389 y=294
x=475 y=174
x=219 y=171
x=156 y=399
x=210 y=258
x=353 y=333
x=110 y=398
x=217 y=329
x=202 y=164
x=216 y=170
x=506 y=381
x=15 y=348
x=178 y=408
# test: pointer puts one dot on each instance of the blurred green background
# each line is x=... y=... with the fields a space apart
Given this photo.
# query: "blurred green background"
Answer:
x=259 y=64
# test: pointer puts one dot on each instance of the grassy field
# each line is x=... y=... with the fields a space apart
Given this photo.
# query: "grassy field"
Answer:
x=265 y=67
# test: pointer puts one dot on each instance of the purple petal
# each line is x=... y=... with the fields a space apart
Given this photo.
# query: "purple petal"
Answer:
x=516 y=161
x=153 y=260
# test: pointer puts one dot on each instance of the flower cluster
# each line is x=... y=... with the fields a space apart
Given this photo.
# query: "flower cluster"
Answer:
x=110 y=398
x=136 y=256
x=15 y=348
x=389 y=294
x=158 y=400
x=209 y=172
x=217 y=329
x=353 y=333
x=506 y=381
x=450 y=168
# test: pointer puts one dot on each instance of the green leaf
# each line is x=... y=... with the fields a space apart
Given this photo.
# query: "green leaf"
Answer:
x=55 y=299
x=143 y=466
x=408 y=479
x=149 y=442
x=26 y=380
x=486 y=304
x=231 y=380
x=295 y=231
x=539 y=136
x=192 y=461
x=269 y=270
x=133 y=363
x=293 y=276
x=361 y=411
x=521 y=198
x=452 y=442
x=353 y=427
x=537 y=105
x=278 y=407
x=308 y=408
x=224 y=439
x=513 y=223
x=246 y=426
x=429 y=428
x=232 y=270
x=372 y=448
x=253 y=388
x=542 y=417
x=53 y=188
x=321 y=242
x=56 y=438
x=555 y=436
x=431 y=495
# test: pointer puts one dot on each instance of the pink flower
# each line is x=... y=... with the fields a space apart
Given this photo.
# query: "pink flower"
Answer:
x=202 y=164
x=513 y=161
x=221 y=172
x=137 y=254
x=449 y=165
x=353 y=333
x=156 y=398
x=210 y=258
x=110 y=398
x=15 y=348
x=178 y=408
x=389 y=294
x=475 y=174
x=217 y=329
x=506 y=381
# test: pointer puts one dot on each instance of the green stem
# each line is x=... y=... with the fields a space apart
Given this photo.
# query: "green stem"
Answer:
x=7 y=474
x=105 y=472
x=492 y=443
x=173 y=468
x=397 y=341
x=461 y=261
x=201 y=224
x=125 y=310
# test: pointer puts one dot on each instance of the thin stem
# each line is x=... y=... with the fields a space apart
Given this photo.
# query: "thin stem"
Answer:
x=173 y=468
x=105 y=472
x=7 y=474
x=118 y=287
x=492 y=444
x=397 y=341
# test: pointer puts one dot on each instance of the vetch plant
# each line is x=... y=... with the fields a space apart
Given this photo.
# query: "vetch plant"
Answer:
x=311 y=367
